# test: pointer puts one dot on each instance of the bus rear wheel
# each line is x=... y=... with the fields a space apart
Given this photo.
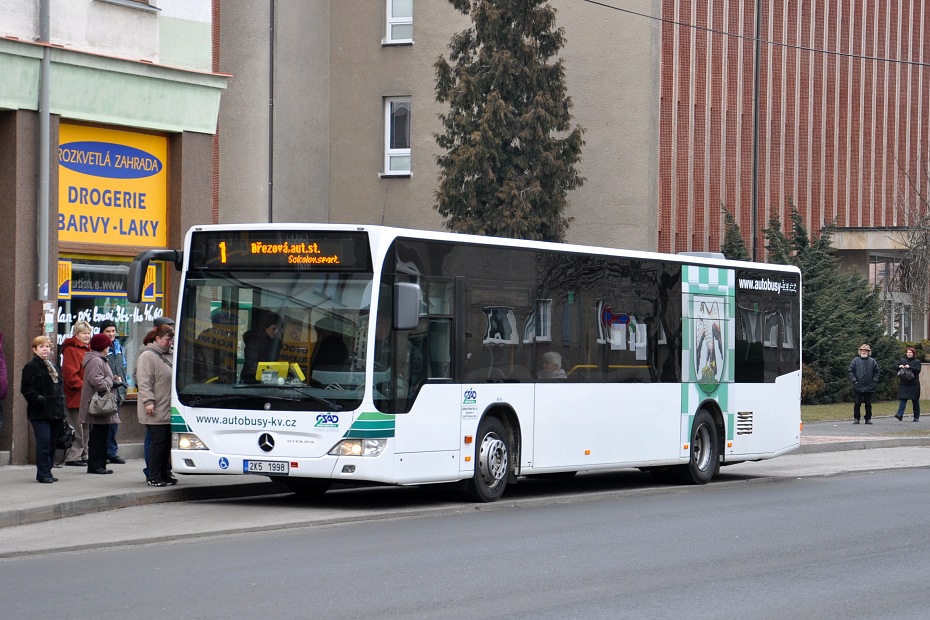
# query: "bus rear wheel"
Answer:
x=705 y=451
x=492 y=462
x=307 y=488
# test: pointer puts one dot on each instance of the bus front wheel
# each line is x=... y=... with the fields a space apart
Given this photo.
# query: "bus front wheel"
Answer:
x=705 y=451
x=492 y=462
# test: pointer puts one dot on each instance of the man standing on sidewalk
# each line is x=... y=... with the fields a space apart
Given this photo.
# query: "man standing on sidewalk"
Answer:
x=863 y=372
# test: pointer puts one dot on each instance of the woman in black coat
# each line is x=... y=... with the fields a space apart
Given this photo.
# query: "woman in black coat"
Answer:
x=45 y=397
x=909 y=389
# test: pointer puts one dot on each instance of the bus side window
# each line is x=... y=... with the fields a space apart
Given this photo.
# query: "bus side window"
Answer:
x=440 y=348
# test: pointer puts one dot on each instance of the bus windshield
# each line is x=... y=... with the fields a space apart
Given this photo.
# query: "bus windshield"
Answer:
x=273 y=340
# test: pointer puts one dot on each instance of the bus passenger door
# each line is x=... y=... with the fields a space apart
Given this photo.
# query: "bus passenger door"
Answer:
x=708 y=356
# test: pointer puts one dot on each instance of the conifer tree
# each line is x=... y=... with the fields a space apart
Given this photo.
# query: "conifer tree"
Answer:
x=778 y=245
x=510 y=149
x=840 y=309
x=734 y=247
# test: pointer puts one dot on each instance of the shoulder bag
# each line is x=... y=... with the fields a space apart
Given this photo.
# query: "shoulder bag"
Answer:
x=102 y=404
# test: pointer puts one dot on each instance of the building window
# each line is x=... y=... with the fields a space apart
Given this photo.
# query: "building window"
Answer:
x=887 y=273
x=399 y=22
x=397 y=136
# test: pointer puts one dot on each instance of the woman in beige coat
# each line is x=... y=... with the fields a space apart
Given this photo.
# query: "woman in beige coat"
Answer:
x=153 y=407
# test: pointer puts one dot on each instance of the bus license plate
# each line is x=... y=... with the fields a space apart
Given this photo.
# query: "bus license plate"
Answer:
x=267 y=468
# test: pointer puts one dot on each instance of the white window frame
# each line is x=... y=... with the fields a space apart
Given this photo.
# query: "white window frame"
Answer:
x=393 y=157
x=391 y=22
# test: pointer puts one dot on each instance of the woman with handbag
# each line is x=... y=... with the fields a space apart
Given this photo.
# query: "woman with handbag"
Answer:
x=909 y=383
x=153 y=405
x=42 y=387
x=98 y=403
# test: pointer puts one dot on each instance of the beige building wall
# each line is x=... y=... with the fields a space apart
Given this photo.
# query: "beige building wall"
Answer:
x=275 y=127
x=332 y=73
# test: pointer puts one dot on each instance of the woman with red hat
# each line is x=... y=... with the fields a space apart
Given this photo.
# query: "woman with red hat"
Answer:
x=97 y=378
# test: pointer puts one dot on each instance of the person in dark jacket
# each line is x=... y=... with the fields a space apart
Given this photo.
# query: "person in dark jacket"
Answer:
x=330 y=351
x=909 y=389
x=43 y=388
x=261 y=345
x=863 y=372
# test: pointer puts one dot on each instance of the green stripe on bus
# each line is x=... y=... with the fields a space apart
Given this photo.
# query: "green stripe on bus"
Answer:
x=371 y=425
x=178 y=424
x=354 y=433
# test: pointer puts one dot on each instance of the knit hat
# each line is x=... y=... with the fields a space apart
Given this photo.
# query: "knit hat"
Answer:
x=865 y=347
x=100 y=342
x=106 y=324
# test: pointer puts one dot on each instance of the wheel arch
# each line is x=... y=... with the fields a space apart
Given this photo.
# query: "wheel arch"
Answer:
x=713 y=408
x=508 y=417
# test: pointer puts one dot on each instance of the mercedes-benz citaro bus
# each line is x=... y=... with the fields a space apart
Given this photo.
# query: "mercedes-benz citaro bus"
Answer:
x=322 y=353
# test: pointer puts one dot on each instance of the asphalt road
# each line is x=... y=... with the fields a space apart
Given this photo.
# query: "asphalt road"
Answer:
x=842 y=546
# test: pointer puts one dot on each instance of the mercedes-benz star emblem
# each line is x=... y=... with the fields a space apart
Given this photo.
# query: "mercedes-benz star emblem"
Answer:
x=266 y=442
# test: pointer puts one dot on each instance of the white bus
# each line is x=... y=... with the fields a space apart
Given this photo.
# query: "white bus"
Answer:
x=322 y=354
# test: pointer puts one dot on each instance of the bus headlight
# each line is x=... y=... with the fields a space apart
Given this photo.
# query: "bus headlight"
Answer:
x=359 y=447
x=187 y=441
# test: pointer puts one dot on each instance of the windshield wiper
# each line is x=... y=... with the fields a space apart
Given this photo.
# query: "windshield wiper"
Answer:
x=205 y=402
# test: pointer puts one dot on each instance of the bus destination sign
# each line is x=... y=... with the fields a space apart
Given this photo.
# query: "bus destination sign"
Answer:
x=281 y=250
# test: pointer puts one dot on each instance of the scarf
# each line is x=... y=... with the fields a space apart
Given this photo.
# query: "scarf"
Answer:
x=52 y=371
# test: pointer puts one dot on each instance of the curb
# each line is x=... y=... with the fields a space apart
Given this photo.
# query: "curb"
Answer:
x=76 y=508
x=864 y=444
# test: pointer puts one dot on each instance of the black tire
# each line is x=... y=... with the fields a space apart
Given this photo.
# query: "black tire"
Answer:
x=705 y=451
x=308 y=488
x=492 y=462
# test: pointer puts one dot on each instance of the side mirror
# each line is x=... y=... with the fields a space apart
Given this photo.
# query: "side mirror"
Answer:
x=406 y=305
x=140 y=265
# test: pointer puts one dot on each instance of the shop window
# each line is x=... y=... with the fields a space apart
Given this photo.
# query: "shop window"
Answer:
x=93 y=289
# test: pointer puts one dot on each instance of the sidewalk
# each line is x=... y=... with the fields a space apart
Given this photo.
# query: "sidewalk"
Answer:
x=826 y=448
x=77 y=492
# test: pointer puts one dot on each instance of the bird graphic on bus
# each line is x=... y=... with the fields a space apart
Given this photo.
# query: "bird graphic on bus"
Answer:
x=709 y=350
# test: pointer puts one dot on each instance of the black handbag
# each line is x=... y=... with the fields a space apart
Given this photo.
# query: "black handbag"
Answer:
x=65 y=436
x=905 y=374
x=102 y=404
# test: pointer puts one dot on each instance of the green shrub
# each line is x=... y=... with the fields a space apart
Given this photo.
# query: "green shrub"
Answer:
x=812 y=386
